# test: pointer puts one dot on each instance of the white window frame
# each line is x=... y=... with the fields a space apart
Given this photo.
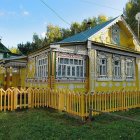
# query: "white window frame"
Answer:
x=70 y=63
x=102 y=68
x=117 y=70
x=42 y=67
x=130 y=69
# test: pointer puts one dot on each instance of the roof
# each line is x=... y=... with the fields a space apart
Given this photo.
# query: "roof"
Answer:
x=83 y=36
x=3 y=48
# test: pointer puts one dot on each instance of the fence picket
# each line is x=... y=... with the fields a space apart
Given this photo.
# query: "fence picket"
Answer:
x=65 y=100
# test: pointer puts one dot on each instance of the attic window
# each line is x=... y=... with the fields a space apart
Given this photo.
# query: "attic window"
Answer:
x=116 y=34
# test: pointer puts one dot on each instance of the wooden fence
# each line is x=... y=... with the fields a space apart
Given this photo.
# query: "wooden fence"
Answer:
x=74 y=103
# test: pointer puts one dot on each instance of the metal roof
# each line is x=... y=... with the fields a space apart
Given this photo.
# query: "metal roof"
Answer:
x=3 y=48
x=83 y=36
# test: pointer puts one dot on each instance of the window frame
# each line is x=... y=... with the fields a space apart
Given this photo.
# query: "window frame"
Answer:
x=71 y=65
x=117 y=68
x=131 y=74
x=42 y=67
x=102 y=56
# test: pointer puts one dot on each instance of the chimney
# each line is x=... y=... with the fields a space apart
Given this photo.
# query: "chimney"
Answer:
x=89 y=24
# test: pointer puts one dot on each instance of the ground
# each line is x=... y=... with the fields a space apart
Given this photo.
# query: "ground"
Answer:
x=43 y=124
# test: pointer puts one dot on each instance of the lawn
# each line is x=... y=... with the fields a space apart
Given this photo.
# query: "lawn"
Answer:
x=43 y=124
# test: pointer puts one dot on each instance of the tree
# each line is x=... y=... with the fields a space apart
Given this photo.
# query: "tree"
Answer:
x=25 y=48
x=15 y=50
x=131 y=9
x=75 y=28
x=54 y=33
x=101 y=19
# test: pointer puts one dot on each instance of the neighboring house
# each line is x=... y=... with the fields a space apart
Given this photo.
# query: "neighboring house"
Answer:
x=12 y=68
x=4 y=52
x=103 y=58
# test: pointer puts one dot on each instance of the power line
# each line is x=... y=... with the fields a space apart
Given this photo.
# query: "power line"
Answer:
x=59 y=15
x=55 y=12
x=100 y=5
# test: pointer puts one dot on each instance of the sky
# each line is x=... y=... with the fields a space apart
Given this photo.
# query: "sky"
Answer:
x=20 y=19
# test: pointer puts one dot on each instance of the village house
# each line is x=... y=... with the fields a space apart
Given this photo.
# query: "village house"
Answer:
x=103 y=58
x=11 y=68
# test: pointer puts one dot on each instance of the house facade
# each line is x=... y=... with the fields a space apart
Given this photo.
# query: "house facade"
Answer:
x=12 y=68
x=103 y=58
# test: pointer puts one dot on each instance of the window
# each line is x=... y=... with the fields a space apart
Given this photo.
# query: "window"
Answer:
x=42 y=67
x=129 y=69
x=1 y=55
x=116 y=34
x=117 y=69
x=70 y=68
x=102 y=67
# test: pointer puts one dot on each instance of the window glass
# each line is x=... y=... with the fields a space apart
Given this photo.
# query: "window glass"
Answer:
x=103 y=67
x=81 y=71
x=75 y=61
x=63 y=70
x=66 y=61
x=73 y=71
x=78 y=71
x=68 y=70
x=71 y=61
x=59 y=70
x=61 y=60
x=80 y=62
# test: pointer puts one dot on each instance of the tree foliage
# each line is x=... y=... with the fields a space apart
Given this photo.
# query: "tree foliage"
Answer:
x=131 y=9
x=14 y=50
x=55 y=33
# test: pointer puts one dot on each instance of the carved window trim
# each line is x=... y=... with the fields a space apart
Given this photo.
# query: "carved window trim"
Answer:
x=42 y=66
x=117 y=69
x=130 y=69
x=115 y=32
x=102 y=56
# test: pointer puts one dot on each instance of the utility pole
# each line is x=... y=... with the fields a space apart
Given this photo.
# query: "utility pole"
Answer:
x=138 y=19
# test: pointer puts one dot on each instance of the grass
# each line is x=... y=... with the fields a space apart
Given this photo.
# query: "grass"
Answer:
x=43 y=124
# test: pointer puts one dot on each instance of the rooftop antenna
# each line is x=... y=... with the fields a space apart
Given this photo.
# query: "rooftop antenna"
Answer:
x=137 y=17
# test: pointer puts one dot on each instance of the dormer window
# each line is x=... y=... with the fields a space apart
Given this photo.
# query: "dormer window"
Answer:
x=115 y=34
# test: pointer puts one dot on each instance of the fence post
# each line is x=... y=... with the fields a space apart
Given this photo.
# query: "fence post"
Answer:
x=15 y=97
x=29 y=92
x=82 y=106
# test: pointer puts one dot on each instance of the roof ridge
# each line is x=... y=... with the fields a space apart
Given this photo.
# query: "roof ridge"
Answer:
x=84 y=35
x=3 y=48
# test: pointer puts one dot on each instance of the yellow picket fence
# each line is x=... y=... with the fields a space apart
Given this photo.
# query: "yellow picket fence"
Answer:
x=65 y=100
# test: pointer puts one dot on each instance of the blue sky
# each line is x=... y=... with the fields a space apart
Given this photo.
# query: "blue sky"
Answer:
x=19 y=19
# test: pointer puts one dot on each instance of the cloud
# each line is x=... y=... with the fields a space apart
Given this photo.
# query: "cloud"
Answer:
x=25 y=13
x=43 y=34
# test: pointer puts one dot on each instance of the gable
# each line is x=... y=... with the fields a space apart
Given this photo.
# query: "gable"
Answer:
x=118 y=35
x=103 y=33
